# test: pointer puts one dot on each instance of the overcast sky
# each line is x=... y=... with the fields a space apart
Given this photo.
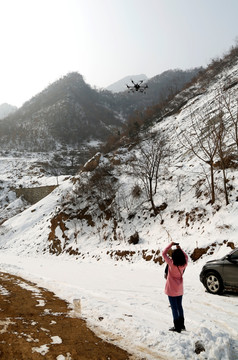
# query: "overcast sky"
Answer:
x=106 y=40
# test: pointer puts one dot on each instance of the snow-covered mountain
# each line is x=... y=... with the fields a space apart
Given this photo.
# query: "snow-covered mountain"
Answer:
x=106 y=202
x=120 y=85
x=6 y=109
x=69 y=113
x=104 y=219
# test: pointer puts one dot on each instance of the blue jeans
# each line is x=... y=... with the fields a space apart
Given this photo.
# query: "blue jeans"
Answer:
x=176 y=306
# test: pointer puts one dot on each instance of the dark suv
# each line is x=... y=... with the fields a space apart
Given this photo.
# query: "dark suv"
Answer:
x=220 y=275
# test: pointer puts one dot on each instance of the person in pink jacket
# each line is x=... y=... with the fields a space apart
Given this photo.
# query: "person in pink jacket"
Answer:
x=174 y=283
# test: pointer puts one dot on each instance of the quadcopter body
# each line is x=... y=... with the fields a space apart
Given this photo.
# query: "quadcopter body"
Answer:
x=137 y=87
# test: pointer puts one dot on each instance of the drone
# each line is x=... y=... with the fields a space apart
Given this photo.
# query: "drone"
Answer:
x=137 y=87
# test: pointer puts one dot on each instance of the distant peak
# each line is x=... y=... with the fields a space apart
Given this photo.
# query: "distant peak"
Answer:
x=6 y=109
x=74 y=75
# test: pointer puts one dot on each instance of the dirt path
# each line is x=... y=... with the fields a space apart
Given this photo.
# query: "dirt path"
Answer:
x=35 y=324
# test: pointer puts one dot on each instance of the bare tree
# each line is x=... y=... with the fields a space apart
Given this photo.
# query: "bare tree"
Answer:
x=146 y=166
x=225 y=102
x=221 y=133
x=201 y=140
x=227 y=111
x=180 y=185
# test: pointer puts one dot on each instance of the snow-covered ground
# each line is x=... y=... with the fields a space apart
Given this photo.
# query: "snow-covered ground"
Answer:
x=126 y=303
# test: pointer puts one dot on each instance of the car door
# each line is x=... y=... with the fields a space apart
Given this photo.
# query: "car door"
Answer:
x=230 y=270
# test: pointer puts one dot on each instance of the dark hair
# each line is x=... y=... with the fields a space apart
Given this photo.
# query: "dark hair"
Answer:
x=178 y=257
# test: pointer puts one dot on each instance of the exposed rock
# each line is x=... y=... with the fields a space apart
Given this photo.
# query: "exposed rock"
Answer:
x=134 y=239
x=199 y=252
x=199 y=347
x=93 y=163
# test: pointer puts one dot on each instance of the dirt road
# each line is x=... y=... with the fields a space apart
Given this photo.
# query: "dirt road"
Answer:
x=35 y=324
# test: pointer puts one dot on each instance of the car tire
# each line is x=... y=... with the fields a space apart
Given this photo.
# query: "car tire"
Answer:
x=213 y=283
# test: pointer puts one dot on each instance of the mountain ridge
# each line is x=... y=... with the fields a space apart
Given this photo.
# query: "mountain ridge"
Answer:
x=69 y=113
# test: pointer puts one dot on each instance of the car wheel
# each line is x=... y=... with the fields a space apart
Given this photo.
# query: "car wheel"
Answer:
x=213 y=283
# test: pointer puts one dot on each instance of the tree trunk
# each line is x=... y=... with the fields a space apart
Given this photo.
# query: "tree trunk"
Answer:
x=151 y=196
x=225 y=187
x=212 y=183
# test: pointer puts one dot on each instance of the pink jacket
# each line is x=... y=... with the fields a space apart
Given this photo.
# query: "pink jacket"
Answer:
x=174 y=282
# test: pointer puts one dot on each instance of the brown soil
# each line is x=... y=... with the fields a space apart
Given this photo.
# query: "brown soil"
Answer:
x=35 y=324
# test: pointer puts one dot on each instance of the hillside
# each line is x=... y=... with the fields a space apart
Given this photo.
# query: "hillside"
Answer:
x=98 y=237
x=69 y=113
x=106 y=202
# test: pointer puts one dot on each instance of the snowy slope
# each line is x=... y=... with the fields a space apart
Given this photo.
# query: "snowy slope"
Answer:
x=114 y=279
x=191 y=220
x=21 y=171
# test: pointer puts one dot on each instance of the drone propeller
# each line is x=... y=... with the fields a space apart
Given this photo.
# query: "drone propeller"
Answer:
x=137 y=86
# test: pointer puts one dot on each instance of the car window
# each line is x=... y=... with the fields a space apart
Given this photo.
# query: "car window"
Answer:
x=234 y=256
